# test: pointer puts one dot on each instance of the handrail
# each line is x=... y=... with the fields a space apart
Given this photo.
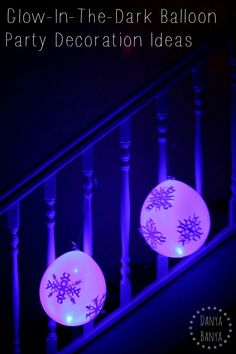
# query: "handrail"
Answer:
x=107 y=122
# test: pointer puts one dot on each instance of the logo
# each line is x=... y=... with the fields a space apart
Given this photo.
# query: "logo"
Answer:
x=210 y=328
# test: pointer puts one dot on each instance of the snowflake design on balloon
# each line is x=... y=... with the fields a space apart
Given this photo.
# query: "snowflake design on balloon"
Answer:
x=64 y=288
x=189 y=229
x=151 y=235
x=95 y=307
x=161 y=198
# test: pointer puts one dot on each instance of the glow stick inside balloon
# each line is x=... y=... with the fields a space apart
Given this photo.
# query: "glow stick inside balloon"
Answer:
x=174 y=219
x=73 y=289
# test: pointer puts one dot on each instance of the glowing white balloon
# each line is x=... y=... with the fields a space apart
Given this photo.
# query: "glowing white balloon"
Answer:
x=73 y=289
x=175 y=220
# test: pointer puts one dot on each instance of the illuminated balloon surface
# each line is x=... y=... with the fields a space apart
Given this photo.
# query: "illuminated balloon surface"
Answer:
x=73 y=289
x=175 y=220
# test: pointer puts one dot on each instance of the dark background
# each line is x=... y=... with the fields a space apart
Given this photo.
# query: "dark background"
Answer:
x=49 y=97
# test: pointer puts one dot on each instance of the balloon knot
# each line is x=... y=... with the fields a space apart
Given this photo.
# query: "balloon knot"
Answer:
x=170 y=177
x=75 y=247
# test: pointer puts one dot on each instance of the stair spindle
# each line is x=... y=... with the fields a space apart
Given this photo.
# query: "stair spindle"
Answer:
x=162 y=115
x=13 y=224
x=88 y=196
x=125 y=141
x=87 y=167
x=198 y=75
x=50 y=200
x=232 y=205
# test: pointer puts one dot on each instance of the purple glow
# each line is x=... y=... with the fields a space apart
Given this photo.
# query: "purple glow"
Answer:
x=175 y=220
x=69 y=287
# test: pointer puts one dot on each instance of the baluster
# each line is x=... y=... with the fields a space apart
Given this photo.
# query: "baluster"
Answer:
x=87 y=161
x=50 y=200
x=232 y=205
x=162 y=115
x=13 y=224
x=125 y=141
x=88 y=196
x=198 y=74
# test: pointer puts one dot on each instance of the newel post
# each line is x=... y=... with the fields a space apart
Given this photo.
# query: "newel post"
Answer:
x=162 y=115
x=198 y=74
x=125 y=141
x=232 y=204
x=13 y=224
x=50 y=200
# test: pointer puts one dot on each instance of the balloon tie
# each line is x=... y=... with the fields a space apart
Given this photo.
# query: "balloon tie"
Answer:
x=75 y=247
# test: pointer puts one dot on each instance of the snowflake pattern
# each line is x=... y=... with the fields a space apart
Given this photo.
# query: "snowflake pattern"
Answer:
x=151 y=235
x=95 y=307
x=189 y=229
x=64 y=288
x=161 y=198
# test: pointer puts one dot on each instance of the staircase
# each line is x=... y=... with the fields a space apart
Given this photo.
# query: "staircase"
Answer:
x=157 y=319
x=138 y=320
